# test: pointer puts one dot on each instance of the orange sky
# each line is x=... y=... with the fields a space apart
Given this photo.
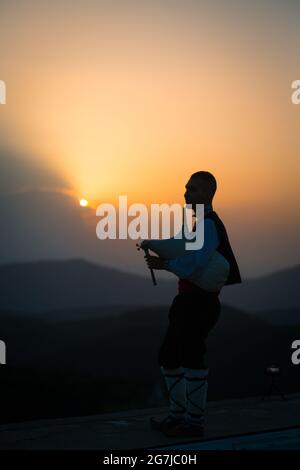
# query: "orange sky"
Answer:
x=131 y=98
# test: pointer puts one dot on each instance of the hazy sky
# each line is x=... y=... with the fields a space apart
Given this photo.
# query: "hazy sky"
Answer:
x=131 y=97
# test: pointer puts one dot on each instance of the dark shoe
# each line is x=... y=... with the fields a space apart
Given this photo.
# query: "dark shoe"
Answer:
x=185 y=430
x=158 y=424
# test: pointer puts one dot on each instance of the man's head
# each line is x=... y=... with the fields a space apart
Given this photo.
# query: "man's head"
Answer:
x=201 y=188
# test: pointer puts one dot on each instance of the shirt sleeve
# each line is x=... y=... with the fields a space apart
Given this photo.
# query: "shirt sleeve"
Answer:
x=186 y=266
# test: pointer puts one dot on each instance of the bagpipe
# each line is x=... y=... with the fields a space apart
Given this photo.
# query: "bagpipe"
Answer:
x=146 y=250
x=212 y=277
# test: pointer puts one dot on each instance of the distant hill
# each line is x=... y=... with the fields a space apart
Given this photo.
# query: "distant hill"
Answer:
x=82 y=366
x=279 y=290
x=75 y=286
x=124 y=344
x=281 y=316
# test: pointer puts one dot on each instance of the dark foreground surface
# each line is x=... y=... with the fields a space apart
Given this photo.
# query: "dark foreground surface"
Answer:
x=131 y=430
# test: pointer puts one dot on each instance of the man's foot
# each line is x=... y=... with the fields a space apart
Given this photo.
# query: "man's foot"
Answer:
x=164 y=424
x=185 y=430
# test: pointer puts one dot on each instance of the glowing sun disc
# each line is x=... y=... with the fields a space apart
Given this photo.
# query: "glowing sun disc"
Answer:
x=83 y=202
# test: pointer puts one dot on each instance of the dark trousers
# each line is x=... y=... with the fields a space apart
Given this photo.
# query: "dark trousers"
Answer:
x=191 y=316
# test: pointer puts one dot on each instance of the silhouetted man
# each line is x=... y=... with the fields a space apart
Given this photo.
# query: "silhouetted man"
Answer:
x=193 y=313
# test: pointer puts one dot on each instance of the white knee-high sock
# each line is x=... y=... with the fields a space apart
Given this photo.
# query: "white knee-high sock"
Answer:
x=175 y=382
x=196 y=394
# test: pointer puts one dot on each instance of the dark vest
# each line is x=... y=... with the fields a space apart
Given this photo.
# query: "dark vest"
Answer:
x=225 y=249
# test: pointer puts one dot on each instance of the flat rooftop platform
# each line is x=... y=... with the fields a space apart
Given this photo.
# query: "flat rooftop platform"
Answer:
x=131 y=430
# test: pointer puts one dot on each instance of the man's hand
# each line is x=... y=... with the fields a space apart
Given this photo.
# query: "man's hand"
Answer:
x=155 y=262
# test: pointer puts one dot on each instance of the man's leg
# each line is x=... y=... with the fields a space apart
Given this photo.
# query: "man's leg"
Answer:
x=174 y=379
x=196 y=386
x=201 y=314
x=172 y=371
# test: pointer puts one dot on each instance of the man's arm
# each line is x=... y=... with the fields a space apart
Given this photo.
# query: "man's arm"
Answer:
x=188 y=265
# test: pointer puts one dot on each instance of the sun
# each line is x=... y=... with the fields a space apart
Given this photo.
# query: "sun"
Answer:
x=84 y=202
